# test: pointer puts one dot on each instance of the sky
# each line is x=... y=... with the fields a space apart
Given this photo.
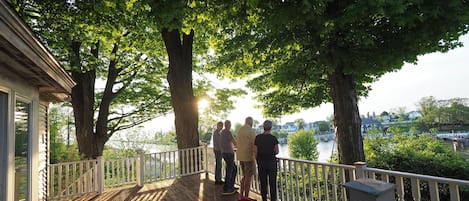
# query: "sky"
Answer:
x=441 y=75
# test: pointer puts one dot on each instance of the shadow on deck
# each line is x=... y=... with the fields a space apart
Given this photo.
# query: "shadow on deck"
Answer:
x=188 y=188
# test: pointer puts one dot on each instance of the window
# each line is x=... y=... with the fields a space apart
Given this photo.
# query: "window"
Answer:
x=22 y=150
x=3 y=141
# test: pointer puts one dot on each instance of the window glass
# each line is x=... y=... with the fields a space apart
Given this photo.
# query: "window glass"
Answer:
x=22 y=130
x=3 y=140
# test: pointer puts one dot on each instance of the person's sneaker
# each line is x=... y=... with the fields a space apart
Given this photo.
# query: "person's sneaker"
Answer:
x=228 y=192
x=219 y=182
x=236 y=188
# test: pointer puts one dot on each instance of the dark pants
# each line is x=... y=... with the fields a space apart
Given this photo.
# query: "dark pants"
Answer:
x=268 y=169
x=217 y=165
x=230 y=173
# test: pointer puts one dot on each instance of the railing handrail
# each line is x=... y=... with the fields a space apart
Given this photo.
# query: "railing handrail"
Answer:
x=72 y=162
x=347 y=167
x=418 y=176
x=176 y=150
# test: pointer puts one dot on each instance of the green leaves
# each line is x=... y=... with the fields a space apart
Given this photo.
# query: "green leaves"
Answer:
x=422 y=154
x=303 y=145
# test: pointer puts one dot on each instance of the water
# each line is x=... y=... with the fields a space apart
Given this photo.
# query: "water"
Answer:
x=324 y=148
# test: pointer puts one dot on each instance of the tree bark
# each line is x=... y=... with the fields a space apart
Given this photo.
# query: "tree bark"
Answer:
x=82 y=102
x=346 y=117
x=90 y=143
x=180 y=84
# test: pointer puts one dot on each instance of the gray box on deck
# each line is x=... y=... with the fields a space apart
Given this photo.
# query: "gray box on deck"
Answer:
x=370 y=190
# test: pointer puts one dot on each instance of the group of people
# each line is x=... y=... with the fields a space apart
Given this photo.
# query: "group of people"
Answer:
x=249 y=149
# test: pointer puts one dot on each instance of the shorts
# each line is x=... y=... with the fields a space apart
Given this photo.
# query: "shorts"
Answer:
x=248 y=167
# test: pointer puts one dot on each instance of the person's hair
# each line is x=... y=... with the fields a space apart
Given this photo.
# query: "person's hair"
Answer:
x=248 y=119
x=219 y=123
x=227 y=122
x=267 y=125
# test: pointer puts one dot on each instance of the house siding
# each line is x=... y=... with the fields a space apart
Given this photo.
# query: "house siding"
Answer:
x=43 y=158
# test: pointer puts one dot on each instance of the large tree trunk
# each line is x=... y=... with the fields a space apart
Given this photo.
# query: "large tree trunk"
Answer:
x=346 y=118
x=102 y=132
x=180 y=85
x=83 y=96
x=182 y=96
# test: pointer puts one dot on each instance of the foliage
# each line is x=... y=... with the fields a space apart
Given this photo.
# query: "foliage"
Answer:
x=303 y=145
x=59 y=123
x=289 y=43
x=438 y=113
x=300 y=123
x=111 y=44
x=168 y=138
x=279 y=134
x=219 y=102
x=300 y=54
x=324 y=126
x=205 y=137
x=421 y=154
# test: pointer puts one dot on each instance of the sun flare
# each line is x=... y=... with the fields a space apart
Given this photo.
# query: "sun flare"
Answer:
x=203 y=104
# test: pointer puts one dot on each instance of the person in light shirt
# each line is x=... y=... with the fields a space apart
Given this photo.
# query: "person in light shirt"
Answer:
x=246 y=157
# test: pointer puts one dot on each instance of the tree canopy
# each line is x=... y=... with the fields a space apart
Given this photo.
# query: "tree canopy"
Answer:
x=299 y=54
x=115 y=51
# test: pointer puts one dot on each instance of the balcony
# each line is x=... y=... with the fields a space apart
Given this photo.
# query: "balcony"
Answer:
x=188 y=175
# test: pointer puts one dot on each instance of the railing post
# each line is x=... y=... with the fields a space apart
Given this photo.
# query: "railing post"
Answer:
x=206 y=161
x=360 y=169
x=100 y=179
x=141 y=169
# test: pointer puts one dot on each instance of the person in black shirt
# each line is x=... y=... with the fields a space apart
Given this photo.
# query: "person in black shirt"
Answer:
x=266 y=147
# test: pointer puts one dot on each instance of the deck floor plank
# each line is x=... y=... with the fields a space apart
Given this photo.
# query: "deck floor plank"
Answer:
x=188 y=188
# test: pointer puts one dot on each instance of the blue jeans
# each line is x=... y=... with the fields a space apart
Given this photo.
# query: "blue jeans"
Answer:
x=231 y=170
x=217 y=165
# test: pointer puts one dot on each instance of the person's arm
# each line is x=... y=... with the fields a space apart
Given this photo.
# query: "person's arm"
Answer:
x=234 y=142
x=255 y=152
x=254 y=148
x=276 y=149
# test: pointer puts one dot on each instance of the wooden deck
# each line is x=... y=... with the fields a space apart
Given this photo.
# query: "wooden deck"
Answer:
x=188 y=188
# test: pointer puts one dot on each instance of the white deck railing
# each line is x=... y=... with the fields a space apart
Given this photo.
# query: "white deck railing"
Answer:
x=72 y=178
x=297 y=179
x=418 y=187
x=118 y=172
x=301 y=179
x=172 y=164
x=307 y=180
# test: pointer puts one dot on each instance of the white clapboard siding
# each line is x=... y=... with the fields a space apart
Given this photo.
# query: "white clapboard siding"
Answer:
x=43 y=158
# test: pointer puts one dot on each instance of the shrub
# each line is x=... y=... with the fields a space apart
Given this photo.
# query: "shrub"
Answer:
x=303 y=145
x=420 y=154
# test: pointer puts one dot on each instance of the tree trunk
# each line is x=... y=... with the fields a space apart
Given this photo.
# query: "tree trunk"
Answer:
x=82 y=102
x=83 y=95
x=180 y=85
x=346 y=118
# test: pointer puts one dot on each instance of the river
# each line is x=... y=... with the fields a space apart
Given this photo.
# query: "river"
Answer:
x=324 y=149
